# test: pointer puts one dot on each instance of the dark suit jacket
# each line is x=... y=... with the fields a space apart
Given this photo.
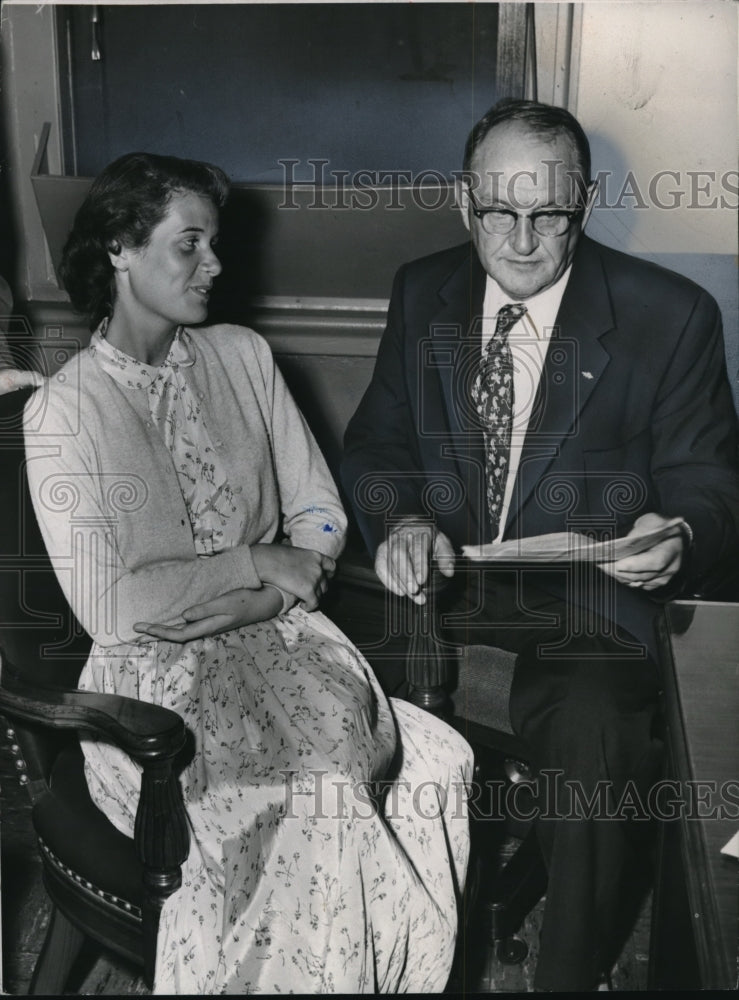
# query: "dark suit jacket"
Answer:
x=634 y=412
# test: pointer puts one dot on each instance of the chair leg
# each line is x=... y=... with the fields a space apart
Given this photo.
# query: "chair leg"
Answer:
x=61 y=947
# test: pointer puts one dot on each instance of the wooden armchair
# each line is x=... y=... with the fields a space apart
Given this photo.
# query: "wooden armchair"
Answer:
x=102 y=884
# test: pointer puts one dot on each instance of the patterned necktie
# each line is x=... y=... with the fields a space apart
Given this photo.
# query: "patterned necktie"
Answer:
x=492 y=395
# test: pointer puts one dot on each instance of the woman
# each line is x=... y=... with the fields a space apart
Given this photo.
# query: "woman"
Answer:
x=203 y=525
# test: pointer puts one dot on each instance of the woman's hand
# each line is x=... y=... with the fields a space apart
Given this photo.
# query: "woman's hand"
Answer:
x=231 y=610
x=15 y=378
x=302 y=572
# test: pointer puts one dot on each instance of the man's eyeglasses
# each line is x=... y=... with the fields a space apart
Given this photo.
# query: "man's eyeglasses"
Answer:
x=547 y=222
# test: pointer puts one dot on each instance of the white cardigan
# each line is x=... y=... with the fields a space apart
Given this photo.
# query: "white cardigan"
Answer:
x=108 y=500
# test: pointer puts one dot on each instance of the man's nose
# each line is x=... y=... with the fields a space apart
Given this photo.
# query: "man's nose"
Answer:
x=523 y=238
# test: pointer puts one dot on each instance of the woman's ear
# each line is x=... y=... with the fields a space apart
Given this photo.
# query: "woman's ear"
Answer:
x=118 y=255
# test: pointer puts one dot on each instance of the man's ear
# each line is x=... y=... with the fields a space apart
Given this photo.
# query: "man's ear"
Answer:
x=589 y=203
x=462 y=201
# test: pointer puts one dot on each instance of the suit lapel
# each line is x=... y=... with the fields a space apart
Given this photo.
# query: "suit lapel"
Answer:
x=455 y=335
x=574 y=363
x=457 y=324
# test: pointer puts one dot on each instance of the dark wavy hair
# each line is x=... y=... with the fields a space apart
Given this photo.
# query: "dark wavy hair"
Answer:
x=544 y=119
x=125 y=203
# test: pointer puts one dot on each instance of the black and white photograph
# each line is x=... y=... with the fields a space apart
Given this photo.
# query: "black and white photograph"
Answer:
x=369 y=497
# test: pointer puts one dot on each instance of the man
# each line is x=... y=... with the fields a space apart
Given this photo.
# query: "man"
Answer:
x=534 y=382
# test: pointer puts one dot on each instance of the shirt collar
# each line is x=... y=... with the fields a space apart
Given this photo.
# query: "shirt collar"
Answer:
x=541 y=309
x=135 y=374
x=180 y=352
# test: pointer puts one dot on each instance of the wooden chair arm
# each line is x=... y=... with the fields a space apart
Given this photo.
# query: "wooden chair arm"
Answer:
x=152 y=736
x=427 y=668
x=146 y=732
x=355 y=569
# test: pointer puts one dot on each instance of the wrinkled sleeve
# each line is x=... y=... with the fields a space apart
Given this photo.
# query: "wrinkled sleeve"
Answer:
x=694 y=435
x=313 y=516
x=72 y=501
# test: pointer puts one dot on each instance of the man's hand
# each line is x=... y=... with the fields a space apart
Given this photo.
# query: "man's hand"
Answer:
x=14 y=378
x=231 y=610
x=302 y=572
x=654 y=567
x=402 y=561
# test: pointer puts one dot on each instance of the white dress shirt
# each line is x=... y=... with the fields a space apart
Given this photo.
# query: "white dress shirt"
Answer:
x=529 y=341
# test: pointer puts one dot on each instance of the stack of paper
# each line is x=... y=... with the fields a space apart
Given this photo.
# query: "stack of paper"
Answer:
x=570 y=546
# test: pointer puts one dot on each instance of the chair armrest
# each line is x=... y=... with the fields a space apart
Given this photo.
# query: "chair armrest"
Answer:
x=428 y=662
x=356 y=568
x=146 y=732
x=427 y=670
x=152 y=736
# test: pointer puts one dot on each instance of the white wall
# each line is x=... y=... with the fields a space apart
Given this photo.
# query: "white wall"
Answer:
x=656 y=90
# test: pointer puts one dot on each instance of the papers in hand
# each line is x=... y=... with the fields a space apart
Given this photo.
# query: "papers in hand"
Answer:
x=570 y=546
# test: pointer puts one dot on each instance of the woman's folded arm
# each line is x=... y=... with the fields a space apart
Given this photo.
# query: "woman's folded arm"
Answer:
x=108 y=591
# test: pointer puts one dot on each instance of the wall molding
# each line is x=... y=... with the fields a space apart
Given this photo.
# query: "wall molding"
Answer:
x=58 y=331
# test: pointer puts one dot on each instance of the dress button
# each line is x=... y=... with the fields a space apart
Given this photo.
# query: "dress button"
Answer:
x=238 y=489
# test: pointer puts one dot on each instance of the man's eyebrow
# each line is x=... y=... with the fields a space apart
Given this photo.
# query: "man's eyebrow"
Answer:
x=496 y=203
x=192 y=229
x=550 y=206
x=554 y=206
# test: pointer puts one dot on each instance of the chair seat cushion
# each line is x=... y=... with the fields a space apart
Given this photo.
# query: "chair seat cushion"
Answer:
x=80 y=835
x=484 y=678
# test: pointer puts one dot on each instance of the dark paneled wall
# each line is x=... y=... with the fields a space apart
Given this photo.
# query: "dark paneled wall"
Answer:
x=366 y=86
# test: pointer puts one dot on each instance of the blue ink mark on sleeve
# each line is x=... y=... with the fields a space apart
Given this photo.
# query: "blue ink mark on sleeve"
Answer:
x=328 y=527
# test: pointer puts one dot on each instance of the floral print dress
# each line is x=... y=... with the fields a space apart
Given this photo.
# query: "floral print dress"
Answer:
x=329 y=836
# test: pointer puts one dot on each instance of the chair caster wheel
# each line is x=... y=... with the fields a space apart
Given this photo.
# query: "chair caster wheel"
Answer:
x=511 y=950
